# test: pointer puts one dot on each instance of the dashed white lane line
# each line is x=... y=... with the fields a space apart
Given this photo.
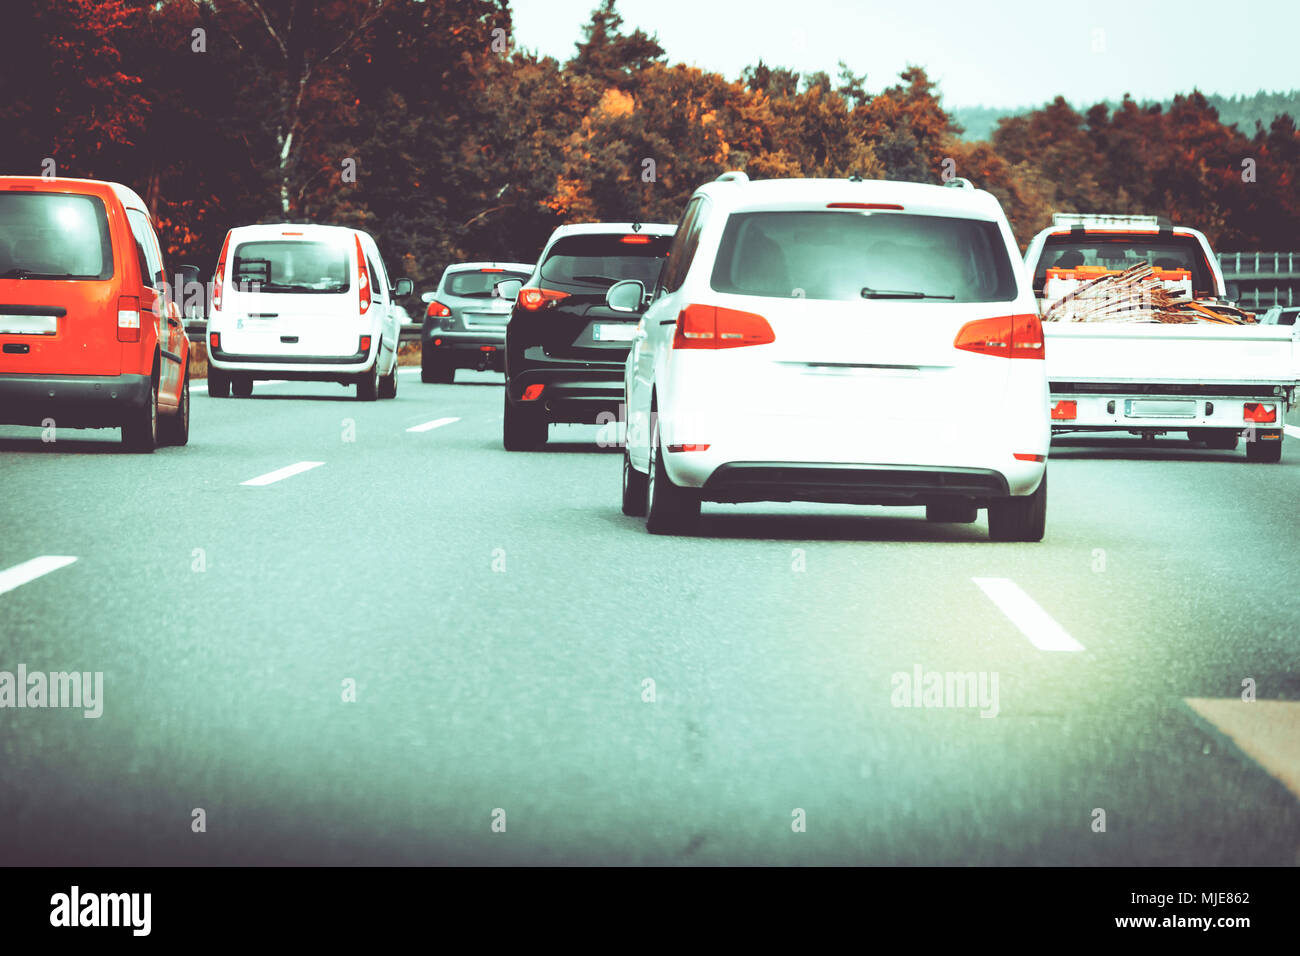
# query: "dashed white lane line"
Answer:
x=281 y=473
x=20 y=574
x=1026 y=613
x=1292 y=430
x=430 y=426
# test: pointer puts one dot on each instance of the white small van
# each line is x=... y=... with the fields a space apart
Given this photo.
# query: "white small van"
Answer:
x=303 y=302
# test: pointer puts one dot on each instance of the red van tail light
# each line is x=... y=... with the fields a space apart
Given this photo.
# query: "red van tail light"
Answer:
x=534 y=299
x=128 y=318
x=1008 y=336
x=215 y=338
x=1259 y=412
x=712 y=327
x=221 y=271
x=437 y=310
x=363 y=281
x=365 y=344
x=1065 y=411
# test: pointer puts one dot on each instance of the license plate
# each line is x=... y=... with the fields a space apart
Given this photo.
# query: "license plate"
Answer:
x=622 y=332
x=28 y=324
x=1160 y=408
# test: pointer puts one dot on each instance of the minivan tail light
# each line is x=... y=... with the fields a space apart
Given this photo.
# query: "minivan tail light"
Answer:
x=713 y=327
x=534 y=299
x=1008 y=336
x=221 y=271
x=128 y=318
x=1260 y=412
x=1065 y=411
x=363 y=281
x=365 y=344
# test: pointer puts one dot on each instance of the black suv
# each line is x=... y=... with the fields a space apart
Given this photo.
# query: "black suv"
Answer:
x=566 y=345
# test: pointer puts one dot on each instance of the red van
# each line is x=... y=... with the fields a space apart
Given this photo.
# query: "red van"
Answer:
x=90 y=335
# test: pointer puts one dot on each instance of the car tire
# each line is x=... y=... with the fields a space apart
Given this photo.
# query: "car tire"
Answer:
x=218 y=383
x=956 y=511
x=670 y=508
x=444 y=372
x=428 y=374
x=1019 y=518
x=635 y=488
x=1221 y=439
x=368 y=384
x=241 y=386
x=388 y=384
x=175 y=429
x=140 y=430
x=522 y=429
x=1264 y=452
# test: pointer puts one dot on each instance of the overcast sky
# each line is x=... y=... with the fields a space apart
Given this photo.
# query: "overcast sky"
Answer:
x=1021 y=53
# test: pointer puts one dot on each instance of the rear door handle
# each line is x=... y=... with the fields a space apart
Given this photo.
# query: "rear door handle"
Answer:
x=172 y=322
x=289 y=339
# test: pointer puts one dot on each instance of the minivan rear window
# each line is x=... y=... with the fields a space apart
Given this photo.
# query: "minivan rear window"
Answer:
x=292 y=265
x=476 y=284
x=598 y=262
x=843 y=255
x=54 y=236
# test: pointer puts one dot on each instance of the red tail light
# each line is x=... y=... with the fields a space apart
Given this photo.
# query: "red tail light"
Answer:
x=864 y=205
x=437 y=310
x=1259 y=412
x=1065 y=411
x=681 y=448
x=532 y=393
x=534 y=299
x=216 y=341
x=128 y=318
x=1027 y=456
x=636 y=240
x=221 y=271
x=1009 y=336
x=363 y=281
x=365 y=344
x=711 y=327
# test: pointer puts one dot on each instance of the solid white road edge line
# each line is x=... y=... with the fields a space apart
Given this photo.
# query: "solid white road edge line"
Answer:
x=429 y=426
x=1026 y=613
x=20 y=574
x=281 y=473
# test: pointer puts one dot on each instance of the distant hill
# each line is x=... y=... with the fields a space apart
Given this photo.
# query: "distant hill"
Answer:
x=1243 y=111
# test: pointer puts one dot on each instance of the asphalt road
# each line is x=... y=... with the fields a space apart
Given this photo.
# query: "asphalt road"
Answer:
x=501 y=618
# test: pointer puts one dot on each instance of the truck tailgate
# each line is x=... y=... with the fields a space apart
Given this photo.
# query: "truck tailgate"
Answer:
x=1200 y=353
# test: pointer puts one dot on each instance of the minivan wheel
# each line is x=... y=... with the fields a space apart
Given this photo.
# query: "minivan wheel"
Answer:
x=1021 y=518
x=956 y=511
x=241 y=386
x=670 y=509
x=140 y=431
x=635 y=488
x=388 y=384
x=175 y=429
x=368 y=385
x=218 y=383
x=522 y=429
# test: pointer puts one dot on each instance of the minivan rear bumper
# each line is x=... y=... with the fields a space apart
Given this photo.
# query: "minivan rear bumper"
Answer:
x=851 y=483
x=72 y=401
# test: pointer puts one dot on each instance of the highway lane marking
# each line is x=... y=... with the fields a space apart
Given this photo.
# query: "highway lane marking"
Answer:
x=1028 y=615
x=1268 y=731
x=430 y=426
x=20 y=574
x=281 y=473
x=1292 y=430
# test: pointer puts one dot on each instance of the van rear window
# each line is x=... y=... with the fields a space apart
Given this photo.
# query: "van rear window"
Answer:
x=846 y=255
x=291 y=265
x=54 y=236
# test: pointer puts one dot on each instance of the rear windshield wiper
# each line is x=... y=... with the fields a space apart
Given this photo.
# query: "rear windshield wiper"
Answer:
x=610 y=279
x=869 y=293
x=29 y=274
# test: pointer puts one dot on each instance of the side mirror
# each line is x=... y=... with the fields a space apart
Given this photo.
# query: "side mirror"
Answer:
x=625 y=296
x=508 y=289
x=404 y=287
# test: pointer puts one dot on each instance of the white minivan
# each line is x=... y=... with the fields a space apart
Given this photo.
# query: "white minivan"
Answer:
x=303 y=302
x=838 y=341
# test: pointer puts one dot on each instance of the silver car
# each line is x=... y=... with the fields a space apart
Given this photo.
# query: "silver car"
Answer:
x=465 y=320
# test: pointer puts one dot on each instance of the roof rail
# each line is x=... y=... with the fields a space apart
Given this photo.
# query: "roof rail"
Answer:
x=733 y=176
x=958 y=183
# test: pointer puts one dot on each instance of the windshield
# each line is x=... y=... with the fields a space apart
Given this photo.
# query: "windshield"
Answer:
x=1118 y=253
x=478 y=283
x=853 y=255
x=596 y=262
x=281 y=265
x=53 y=236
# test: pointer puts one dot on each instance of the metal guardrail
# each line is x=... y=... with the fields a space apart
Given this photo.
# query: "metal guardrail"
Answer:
x=1260 y=280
